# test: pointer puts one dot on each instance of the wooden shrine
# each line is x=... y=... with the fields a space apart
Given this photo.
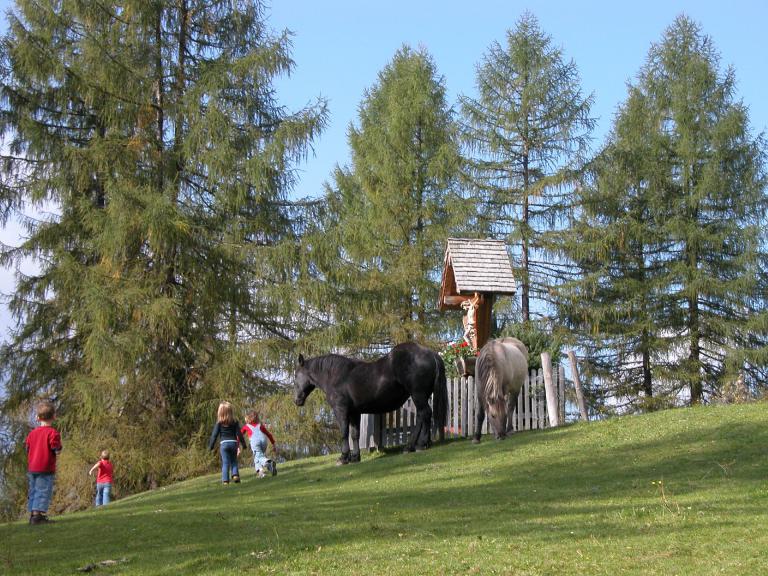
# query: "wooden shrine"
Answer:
x=474 y=272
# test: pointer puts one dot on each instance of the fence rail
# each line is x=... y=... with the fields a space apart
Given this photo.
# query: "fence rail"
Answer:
x=527 y=412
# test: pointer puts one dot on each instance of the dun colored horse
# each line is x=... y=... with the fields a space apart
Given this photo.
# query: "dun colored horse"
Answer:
x=500 y=372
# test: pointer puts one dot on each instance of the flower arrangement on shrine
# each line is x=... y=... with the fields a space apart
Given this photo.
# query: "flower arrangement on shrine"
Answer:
x=459 y=357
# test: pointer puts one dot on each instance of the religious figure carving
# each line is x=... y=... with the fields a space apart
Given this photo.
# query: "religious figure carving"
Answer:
x=470 y=305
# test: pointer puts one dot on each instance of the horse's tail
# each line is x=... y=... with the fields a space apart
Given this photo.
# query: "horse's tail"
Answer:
x=488 y=379
x=440 y=398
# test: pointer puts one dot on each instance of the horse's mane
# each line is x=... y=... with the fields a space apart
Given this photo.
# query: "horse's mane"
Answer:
x=487 y=370
x=495 y=374
x=331 y=366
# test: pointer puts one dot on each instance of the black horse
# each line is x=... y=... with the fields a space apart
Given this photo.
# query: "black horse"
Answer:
x=354 y=387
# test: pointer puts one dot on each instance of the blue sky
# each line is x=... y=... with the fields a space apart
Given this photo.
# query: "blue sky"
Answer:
x=341 y=45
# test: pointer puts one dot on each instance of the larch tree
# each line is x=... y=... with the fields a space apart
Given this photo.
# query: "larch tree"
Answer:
x=679 y=212
x=526 y=134
x=715 y=203
x=614 y=305
x=387 y=215
x=153 y=130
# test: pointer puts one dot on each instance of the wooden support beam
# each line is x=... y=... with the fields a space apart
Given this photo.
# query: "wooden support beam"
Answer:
x=549 y=387
x=577 y=385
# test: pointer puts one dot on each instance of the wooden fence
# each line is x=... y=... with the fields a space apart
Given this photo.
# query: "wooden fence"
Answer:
x=528 y=412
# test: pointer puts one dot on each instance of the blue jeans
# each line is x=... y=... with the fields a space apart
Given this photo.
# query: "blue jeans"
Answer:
x=102 y=493
x=259 y=450
x=40 y=491
x=228 y=460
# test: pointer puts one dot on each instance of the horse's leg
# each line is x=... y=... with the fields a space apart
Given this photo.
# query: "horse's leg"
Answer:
x=422 y=436
x=426 y=428
x=411 y=445
x=502 y=433
x=343 y=419
x=354 y=433
x=479 y=419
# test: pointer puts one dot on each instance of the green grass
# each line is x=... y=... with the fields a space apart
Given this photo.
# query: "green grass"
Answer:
x=676 y=492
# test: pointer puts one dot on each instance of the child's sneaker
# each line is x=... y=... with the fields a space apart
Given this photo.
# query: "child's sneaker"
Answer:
x=39 y=519
x=236 y=479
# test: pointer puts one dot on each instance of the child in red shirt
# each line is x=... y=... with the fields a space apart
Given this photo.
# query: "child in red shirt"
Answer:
x=42 y=445
x=258 y=435
x=103 y=479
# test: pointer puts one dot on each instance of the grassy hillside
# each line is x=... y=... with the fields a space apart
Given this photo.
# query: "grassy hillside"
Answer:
x=678 y=492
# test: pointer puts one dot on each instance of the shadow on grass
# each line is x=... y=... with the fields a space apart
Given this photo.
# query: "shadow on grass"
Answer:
x=583 y=481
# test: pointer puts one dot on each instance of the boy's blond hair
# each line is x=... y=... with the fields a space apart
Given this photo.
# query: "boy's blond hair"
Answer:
x=45 y=410
x=105 y=454
x=225 y=413
x=252 y=417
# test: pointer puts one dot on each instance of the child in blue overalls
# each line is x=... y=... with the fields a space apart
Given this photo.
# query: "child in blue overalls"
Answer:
x=259 y=435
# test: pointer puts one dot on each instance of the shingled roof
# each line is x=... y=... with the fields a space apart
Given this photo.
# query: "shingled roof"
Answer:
x=476 y=266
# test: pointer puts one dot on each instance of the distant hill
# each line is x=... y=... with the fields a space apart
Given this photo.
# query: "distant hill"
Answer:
x=677 y=492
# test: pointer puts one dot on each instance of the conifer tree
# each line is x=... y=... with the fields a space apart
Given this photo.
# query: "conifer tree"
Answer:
x=615 y=307
x=679 y=221
x=527 y=132
x=388 y=214
x=154 y=131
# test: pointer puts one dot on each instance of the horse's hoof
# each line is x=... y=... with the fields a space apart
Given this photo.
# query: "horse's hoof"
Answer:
x=354 y=458
x=475 y=440
x=342 y=462
x=408 y=449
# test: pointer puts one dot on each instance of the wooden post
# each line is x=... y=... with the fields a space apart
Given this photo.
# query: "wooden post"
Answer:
x=561 y=392
x=577 y=385
x=519 y=411
x=549 y=388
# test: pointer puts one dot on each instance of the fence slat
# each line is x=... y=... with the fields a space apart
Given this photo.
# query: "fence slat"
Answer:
x=456 y=407
x=534 y=405
x=466 y=426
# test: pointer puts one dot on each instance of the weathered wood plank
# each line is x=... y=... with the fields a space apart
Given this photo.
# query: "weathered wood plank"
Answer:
x=549 y=387
x=580 y=400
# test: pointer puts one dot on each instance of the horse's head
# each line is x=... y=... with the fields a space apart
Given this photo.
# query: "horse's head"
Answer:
x=302 y=382
x=497 y=416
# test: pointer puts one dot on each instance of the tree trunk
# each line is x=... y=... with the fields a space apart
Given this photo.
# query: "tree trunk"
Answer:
x=525 y=292
x=647 y=375
x=694 y=356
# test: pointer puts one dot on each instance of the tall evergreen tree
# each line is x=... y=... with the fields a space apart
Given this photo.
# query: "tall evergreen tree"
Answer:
x=616 y=305
x=697 y=176
x=389 y=213
x=526 y=132
x=154 y=130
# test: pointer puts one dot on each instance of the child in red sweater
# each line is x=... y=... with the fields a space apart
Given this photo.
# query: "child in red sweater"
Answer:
x=258 y=435
x=103 y=479
x=43 y=445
